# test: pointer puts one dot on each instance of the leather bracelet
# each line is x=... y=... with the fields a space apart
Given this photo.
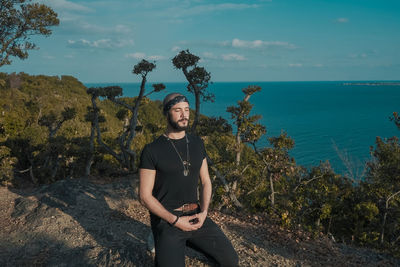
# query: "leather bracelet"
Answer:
x=176 y=220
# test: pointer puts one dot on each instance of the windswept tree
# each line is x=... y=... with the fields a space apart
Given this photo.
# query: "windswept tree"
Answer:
x=198 y=79
x=383 y=179
x=248 y=130
x=53 y=123
x=129 y=114
x=277 y=162
x=19 y=20
x=53 y=153
x=95 y=118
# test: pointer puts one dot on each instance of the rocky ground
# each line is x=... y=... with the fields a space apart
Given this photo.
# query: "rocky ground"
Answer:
x=83 y=222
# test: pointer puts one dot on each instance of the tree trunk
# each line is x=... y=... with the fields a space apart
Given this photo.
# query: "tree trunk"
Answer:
x=231 y=194
x=55 y=168
x=272 y=196
x=96 y=125
x=196 y=91
x=89 y=161
x=125 y=140
x=238 y=150
x=197 y=111
x=31 y=174
x=383 y=227
x=382 y=235
x=130 y=155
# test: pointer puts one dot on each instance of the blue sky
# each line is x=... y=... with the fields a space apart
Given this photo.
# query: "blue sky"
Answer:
x=253 y=40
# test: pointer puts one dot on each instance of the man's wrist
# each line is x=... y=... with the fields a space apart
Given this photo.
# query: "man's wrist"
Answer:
x=175 y=221
x=205 y=212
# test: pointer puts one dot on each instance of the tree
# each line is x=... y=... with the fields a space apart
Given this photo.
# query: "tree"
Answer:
x=197 y=77
x=247 y=129
x=20 y=19
x=383 y=183
x=277 y=162
x=127 y=156
x=94 y=118
x=384 y=177
x=52 y=155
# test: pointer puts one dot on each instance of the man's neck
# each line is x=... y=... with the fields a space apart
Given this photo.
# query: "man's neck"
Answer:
x=171 y=134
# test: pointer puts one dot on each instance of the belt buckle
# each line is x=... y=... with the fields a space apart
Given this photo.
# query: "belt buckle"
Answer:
x=185 y=207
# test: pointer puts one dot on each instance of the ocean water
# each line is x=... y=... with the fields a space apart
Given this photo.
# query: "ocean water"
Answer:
x=327 y=120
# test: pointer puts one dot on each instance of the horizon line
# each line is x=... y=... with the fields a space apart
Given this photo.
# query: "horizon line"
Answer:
x=366 y=81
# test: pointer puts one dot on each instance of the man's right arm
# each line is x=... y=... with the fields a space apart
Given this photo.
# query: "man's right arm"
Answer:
x=147 y=179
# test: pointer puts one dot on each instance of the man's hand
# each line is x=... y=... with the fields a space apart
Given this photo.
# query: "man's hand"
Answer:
x=188 y=223
x=191 y=223
x=201 y=217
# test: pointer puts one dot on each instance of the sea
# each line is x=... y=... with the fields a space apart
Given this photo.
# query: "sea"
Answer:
x=334 y=121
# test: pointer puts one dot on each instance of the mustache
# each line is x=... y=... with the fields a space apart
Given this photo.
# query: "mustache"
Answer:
x=184 y=119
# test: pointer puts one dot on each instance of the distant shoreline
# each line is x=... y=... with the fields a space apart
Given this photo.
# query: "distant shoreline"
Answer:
x=368 y=83
x=373 y=83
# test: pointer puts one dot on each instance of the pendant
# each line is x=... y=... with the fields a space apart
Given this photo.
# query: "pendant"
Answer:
x=185 y=172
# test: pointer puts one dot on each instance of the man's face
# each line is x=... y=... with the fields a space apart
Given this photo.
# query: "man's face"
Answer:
x=178 y=116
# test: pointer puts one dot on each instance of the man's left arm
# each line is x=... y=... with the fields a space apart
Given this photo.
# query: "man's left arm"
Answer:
x=206 y=190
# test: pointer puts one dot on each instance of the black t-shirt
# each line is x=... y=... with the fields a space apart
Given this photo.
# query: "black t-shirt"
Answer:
x=171 y=188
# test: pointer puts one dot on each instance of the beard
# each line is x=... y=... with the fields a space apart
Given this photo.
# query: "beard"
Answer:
x=176 y=126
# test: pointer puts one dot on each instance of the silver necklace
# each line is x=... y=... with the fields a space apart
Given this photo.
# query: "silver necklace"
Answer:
x=185 y=163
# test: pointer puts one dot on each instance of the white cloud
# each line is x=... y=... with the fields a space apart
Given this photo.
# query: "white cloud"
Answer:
x=155 y=57
x=361 y=55
x=342 y=20
x=74 y=25
x=224 y=6
x=176 y=48
x=136 y=55
x=122 y=29
x=295 y=65
x=62 y=5
x=140 y=56
x=100 y=44
x=233 y=57
x=185 y=10
x=238 y=44
x=209 y=55
x=48 y=57
x=257 y=44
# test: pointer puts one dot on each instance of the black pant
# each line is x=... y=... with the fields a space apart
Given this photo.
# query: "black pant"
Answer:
x=170 y=243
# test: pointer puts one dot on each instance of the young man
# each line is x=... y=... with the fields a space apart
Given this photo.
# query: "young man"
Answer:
x=170 y=169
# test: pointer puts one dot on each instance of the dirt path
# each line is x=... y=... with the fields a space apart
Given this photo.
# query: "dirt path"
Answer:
x=81 y=223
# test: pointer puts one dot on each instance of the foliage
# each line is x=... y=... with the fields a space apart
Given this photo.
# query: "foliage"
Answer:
x=41 y=105
x=20 y=19
x=125 y=154
x=396 y=119
x=383 y=187
x=198 y=79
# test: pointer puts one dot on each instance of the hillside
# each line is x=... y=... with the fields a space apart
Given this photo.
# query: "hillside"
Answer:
x=81 y=222
x=32 y=105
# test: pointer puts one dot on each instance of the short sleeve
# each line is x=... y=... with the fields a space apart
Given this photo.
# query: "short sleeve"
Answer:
x=146 y=159
x=202 y=149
